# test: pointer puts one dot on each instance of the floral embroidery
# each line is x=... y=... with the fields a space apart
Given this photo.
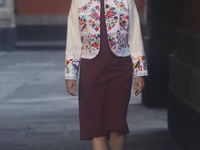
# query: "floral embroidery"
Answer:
x=124 y=22
x=111 y=17
x=90 y=44
x=111 y=13
x=67 y=62
x=71 y=66
x=114 y=15
x=94 y=24
x=94 y=20
x=121 y=5
x=140 y=65
x=94 y=15
x=117 y=42
x=83 y=23
x=87 y=6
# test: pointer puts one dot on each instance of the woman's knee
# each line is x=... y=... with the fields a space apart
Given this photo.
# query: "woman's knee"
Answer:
x=99 y=143
x=117 y=134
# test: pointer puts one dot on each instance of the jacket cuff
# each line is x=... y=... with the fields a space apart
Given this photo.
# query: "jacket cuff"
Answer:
x=140 y=73
x=71 y=68
x=70 y=77
x=140 y=65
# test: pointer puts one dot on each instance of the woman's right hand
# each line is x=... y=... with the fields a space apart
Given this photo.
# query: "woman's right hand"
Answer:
x=71 y=87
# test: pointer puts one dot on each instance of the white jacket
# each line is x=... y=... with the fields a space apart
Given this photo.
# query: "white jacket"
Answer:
x=123 y=29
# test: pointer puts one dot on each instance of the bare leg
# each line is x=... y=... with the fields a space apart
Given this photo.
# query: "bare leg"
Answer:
x=117 y=140
x=100 y=143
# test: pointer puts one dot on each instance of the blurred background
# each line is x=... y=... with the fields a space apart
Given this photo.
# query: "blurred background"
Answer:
x=33 y=24
x=32 y=92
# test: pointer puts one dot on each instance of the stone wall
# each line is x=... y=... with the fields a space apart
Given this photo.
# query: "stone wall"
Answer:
x=41 y=24
x=45 y=12
x=7 y=18
x=7 y=24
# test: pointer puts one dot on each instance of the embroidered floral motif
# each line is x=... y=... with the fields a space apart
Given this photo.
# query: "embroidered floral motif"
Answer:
x=87 y=6
x=94 y=15
x=111 y=17
x=121 y=5
x=83 y=23
x=94 y=24
x=124 y=22
x=116 y=14
x=90 y=43
x=71 y=66
x=140 y=65
x=67 y=62
x=117 y=40
x=94 y=20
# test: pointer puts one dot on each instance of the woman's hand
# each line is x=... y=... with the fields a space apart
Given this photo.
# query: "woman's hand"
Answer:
x=139 y=85
x=71 y=87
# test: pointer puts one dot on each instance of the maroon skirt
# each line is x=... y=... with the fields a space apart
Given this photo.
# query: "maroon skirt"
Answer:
x=104 y=91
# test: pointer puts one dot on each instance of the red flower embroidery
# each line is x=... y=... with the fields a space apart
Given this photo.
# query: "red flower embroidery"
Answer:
x=97 y=28
x=109 y=27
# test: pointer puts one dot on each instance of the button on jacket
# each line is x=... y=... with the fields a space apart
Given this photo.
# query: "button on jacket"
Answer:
x=123 y=30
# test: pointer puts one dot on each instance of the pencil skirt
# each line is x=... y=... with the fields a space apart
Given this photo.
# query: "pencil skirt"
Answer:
x=104 y=94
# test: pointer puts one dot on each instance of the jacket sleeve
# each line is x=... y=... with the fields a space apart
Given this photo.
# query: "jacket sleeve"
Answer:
x=135 y=42
x=73 y=43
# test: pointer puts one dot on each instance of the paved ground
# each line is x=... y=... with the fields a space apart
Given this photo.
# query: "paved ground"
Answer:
x=36 y=113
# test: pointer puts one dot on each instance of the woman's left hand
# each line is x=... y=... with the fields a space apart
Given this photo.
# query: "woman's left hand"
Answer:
x=139 y=85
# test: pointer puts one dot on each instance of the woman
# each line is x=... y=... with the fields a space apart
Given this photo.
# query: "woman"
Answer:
x=105 y=36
